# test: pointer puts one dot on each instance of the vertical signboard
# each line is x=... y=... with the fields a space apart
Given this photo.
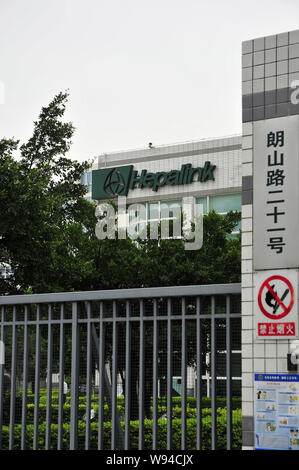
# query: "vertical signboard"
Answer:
x=276 y=193
x=276 y=305
x=276 y=411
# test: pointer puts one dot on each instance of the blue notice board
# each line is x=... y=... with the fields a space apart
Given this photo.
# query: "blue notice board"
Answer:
x=276 y=420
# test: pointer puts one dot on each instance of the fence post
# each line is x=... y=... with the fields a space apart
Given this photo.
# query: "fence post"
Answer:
x=229 y=425
x=49 y=379
x=169 y=375
x=61 y=378
x=75 y=378
x=13 y=381
x=1 y=375
x=25 y=381
x=128 y=378
x=213 y=375
x=36 y=379
x=141 y=377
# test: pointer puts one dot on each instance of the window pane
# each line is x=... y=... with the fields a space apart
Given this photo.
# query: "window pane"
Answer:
x=170 y=209
x=137 y=213
x=153 y=211
x=201 y=201
x=225 y=203
x=171 y=204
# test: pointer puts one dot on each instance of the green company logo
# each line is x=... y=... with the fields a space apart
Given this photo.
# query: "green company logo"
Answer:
x=112 y=182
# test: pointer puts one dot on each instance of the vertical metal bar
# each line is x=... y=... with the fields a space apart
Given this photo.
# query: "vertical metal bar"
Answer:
x=36 y=378
x=101 y=378
x=75 y=378
x=49 y=380
x=198 y=374
x=213 y=374
x=25 y=380
x=128 y=378
x=13 y=380
x=155 y=377
x=141 y=377
x=228 y=375
x=61 y=378
x=114 y=378
x=184 y=376
x=2 y=365
x=169 y=376
x=89 y=377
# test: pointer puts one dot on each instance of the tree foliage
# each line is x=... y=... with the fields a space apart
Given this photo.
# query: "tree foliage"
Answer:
x=167 y=262
x=43 y=208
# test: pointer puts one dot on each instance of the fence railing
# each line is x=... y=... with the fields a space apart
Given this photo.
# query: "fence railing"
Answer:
x=133 y=363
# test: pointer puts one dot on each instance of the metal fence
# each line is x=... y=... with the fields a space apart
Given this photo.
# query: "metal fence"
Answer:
x=138 y=365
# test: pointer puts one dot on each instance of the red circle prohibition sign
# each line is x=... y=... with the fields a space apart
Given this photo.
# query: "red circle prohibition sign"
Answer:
x=286 y=309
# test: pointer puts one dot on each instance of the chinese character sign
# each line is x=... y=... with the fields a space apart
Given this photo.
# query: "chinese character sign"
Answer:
x=275 y=193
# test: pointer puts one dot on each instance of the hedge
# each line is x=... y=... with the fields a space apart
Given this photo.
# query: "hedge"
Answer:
x=176 y=401
x=162 y=410
x=134 y=434
x=191 y=411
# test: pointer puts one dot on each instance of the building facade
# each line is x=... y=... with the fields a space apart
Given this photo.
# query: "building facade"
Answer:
x=206 y=172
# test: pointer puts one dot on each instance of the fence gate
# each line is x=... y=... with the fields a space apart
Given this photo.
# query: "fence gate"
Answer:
x=152 y=368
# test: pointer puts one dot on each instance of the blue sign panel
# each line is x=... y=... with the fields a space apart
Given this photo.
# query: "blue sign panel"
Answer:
x=276 y=411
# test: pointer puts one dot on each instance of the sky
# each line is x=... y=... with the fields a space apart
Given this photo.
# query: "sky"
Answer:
x=137 y=71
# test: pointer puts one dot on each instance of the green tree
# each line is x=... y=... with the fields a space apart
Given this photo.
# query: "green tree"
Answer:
x=47 y=227
x=167 y=262
x=42 y=206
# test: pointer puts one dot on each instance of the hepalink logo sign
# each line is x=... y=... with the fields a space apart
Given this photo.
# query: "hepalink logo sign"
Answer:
x=116 y=181
x=112 y=182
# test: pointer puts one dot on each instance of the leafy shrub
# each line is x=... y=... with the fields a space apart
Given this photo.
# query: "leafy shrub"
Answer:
x=134 y=433
x=176 y=401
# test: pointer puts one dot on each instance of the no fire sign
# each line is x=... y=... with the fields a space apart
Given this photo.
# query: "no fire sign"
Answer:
x=276 y=306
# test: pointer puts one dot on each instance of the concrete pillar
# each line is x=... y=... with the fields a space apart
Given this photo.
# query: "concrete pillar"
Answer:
x=270 y=65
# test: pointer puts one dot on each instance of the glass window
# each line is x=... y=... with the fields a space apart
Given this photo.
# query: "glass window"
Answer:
x=201 y=201
x=86 y=179
x=170 y=209
x=153 y=211
x=225 y=203
x=221 y=204
x=142 y=214
x=137 y=213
